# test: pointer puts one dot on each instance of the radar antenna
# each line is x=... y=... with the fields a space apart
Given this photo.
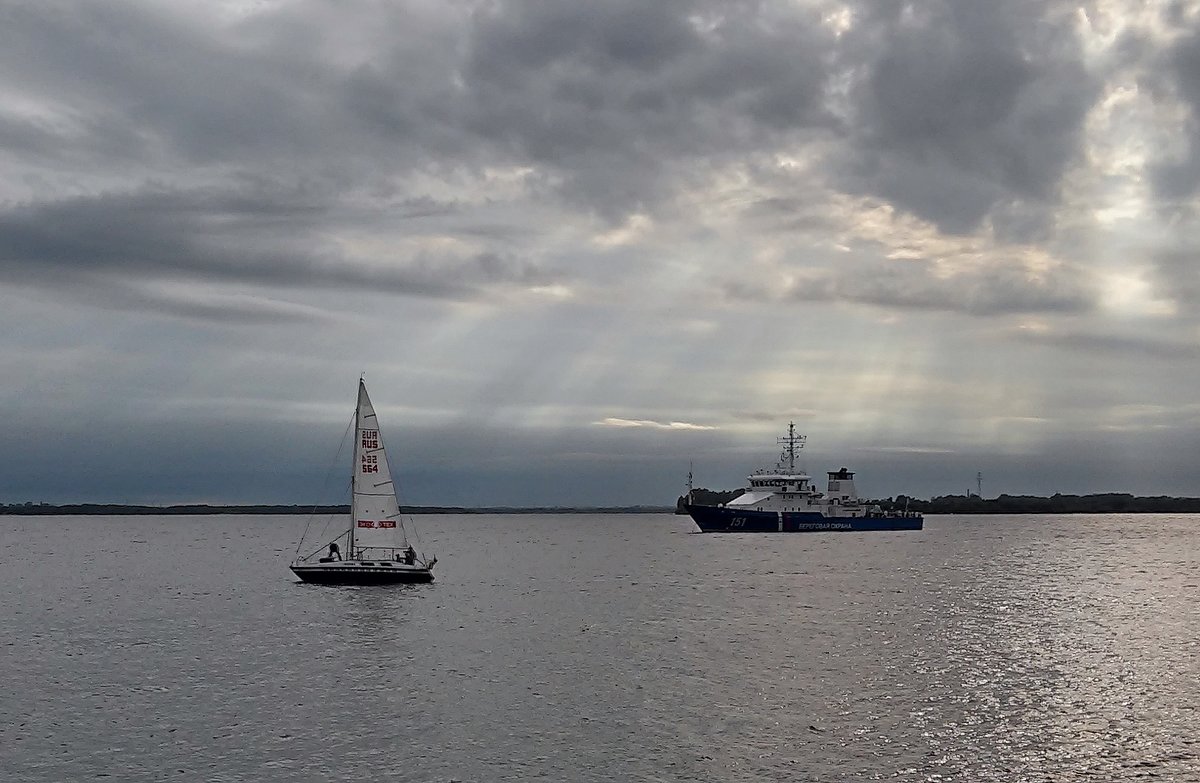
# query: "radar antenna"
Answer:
x=792 y=443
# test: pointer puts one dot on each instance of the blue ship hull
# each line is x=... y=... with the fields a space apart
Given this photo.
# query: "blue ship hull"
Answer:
x=722 y=519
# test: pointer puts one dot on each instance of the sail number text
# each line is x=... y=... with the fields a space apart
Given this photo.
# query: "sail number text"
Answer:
x=370 y=440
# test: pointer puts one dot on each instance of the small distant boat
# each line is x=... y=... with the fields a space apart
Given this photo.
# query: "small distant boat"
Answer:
x=784 y=500
x=377 y=547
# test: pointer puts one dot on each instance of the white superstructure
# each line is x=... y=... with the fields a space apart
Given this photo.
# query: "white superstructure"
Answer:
x=788 y=489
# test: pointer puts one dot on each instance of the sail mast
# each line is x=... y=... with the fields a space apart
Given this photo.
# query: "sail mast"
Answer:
x=354 y=463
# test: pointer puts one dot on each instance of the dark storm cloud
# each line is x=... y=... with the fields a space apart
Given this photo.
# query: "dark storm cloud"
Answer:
x=135 y=70
x=618 y=96
x=218 y=236
x=616 y=105
x=964 y=107
x=956 y=110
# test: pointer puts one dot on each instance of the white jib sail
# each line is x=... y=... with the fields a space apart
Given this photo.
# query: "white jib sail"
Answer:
x=374 y=512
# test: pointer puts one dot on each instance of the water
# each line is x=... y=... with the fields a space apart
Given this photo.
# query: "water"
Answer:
x=598 y=648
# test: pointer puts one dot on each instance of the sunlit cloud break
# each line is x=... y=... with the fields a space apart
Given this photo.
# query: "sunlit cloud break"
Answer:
x=654 y=425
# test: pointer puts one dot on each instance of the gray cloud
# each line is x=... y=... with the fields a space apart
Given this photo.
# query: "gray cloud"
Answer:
x=145 y=72
x=229 y=309
x=1178 y=274
x=221 y=236
x=1114 y=345
x=914 y=284
x=1179 y=179
x=620 y=105
x=965 y=107
x=623 y=99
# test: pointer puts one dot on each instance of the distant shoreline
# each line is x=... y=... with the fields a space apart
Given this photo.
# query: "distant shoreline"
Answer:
x=120 y=509
x=1109 y=503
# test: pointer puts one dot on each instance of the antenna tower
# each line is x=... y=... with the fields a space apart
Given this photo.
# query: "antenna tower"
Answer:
x=792 y=443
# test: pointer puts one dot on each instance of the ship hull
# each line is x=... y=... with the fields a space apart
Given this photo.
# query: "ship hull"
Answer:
x=722 y=519
x=354 y=573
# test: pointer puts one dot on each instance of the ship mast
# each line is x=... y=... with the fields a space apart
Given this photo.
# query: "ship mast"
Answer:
x=792 y=443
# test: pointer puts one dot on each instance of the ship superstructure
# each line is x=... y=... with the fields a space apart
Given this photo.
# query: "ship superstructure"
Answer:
x=786 y=500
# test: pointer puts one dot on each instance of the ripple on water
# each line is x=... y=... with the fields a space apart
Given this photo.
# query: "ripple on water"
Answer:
x=592 y=648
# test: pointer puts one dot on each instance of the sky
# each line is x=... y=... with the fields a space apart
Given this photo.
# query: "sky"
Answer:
x=577 y=248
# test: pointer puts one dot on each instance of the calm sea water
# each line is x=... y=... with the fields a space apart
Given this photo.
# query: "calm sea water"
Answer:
x=597 y=648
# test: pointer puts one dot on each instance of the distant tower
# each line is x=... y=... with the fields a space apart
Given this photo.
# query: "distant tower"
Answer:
x=979 y=484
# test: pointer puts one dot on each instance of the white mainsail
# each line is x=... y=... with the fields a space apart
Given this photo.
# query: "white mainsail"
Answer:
x=374 y=512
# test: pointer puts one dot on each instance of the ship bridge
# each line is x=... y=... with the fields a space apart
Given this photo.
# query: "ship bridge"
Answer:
x=781 y=482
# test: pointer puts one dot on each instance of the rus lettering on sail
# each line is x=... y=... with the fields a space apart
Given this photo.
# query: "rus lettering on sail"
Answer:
x=368 y=523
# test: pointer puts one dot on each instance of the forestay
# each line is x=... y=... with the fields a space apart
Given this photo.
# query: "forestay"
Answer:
x=374 y=513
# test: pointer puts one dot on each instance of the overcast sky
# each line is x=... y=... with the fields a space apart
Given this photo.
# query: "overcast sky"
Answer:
x=575 y=246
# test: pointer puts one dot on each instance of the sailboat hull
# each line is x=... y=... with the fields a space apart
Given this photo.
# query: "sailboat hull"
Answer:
x=349 y=572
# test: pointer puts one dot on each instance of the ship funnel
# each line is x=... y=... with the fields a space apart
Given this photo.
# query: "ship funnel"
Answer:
x=841 y=486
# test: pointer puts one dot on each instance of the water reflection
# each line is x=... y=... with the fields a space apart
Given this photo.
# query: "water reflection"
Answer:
x=1058 y=657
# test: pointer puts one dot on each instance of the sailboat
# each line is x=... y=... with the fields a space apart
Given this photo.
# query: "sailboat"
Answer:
x=377 y=548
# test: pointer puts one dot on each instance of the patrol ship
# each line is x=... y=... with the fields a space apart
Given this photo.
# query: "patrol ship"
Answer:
x=784 y=500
